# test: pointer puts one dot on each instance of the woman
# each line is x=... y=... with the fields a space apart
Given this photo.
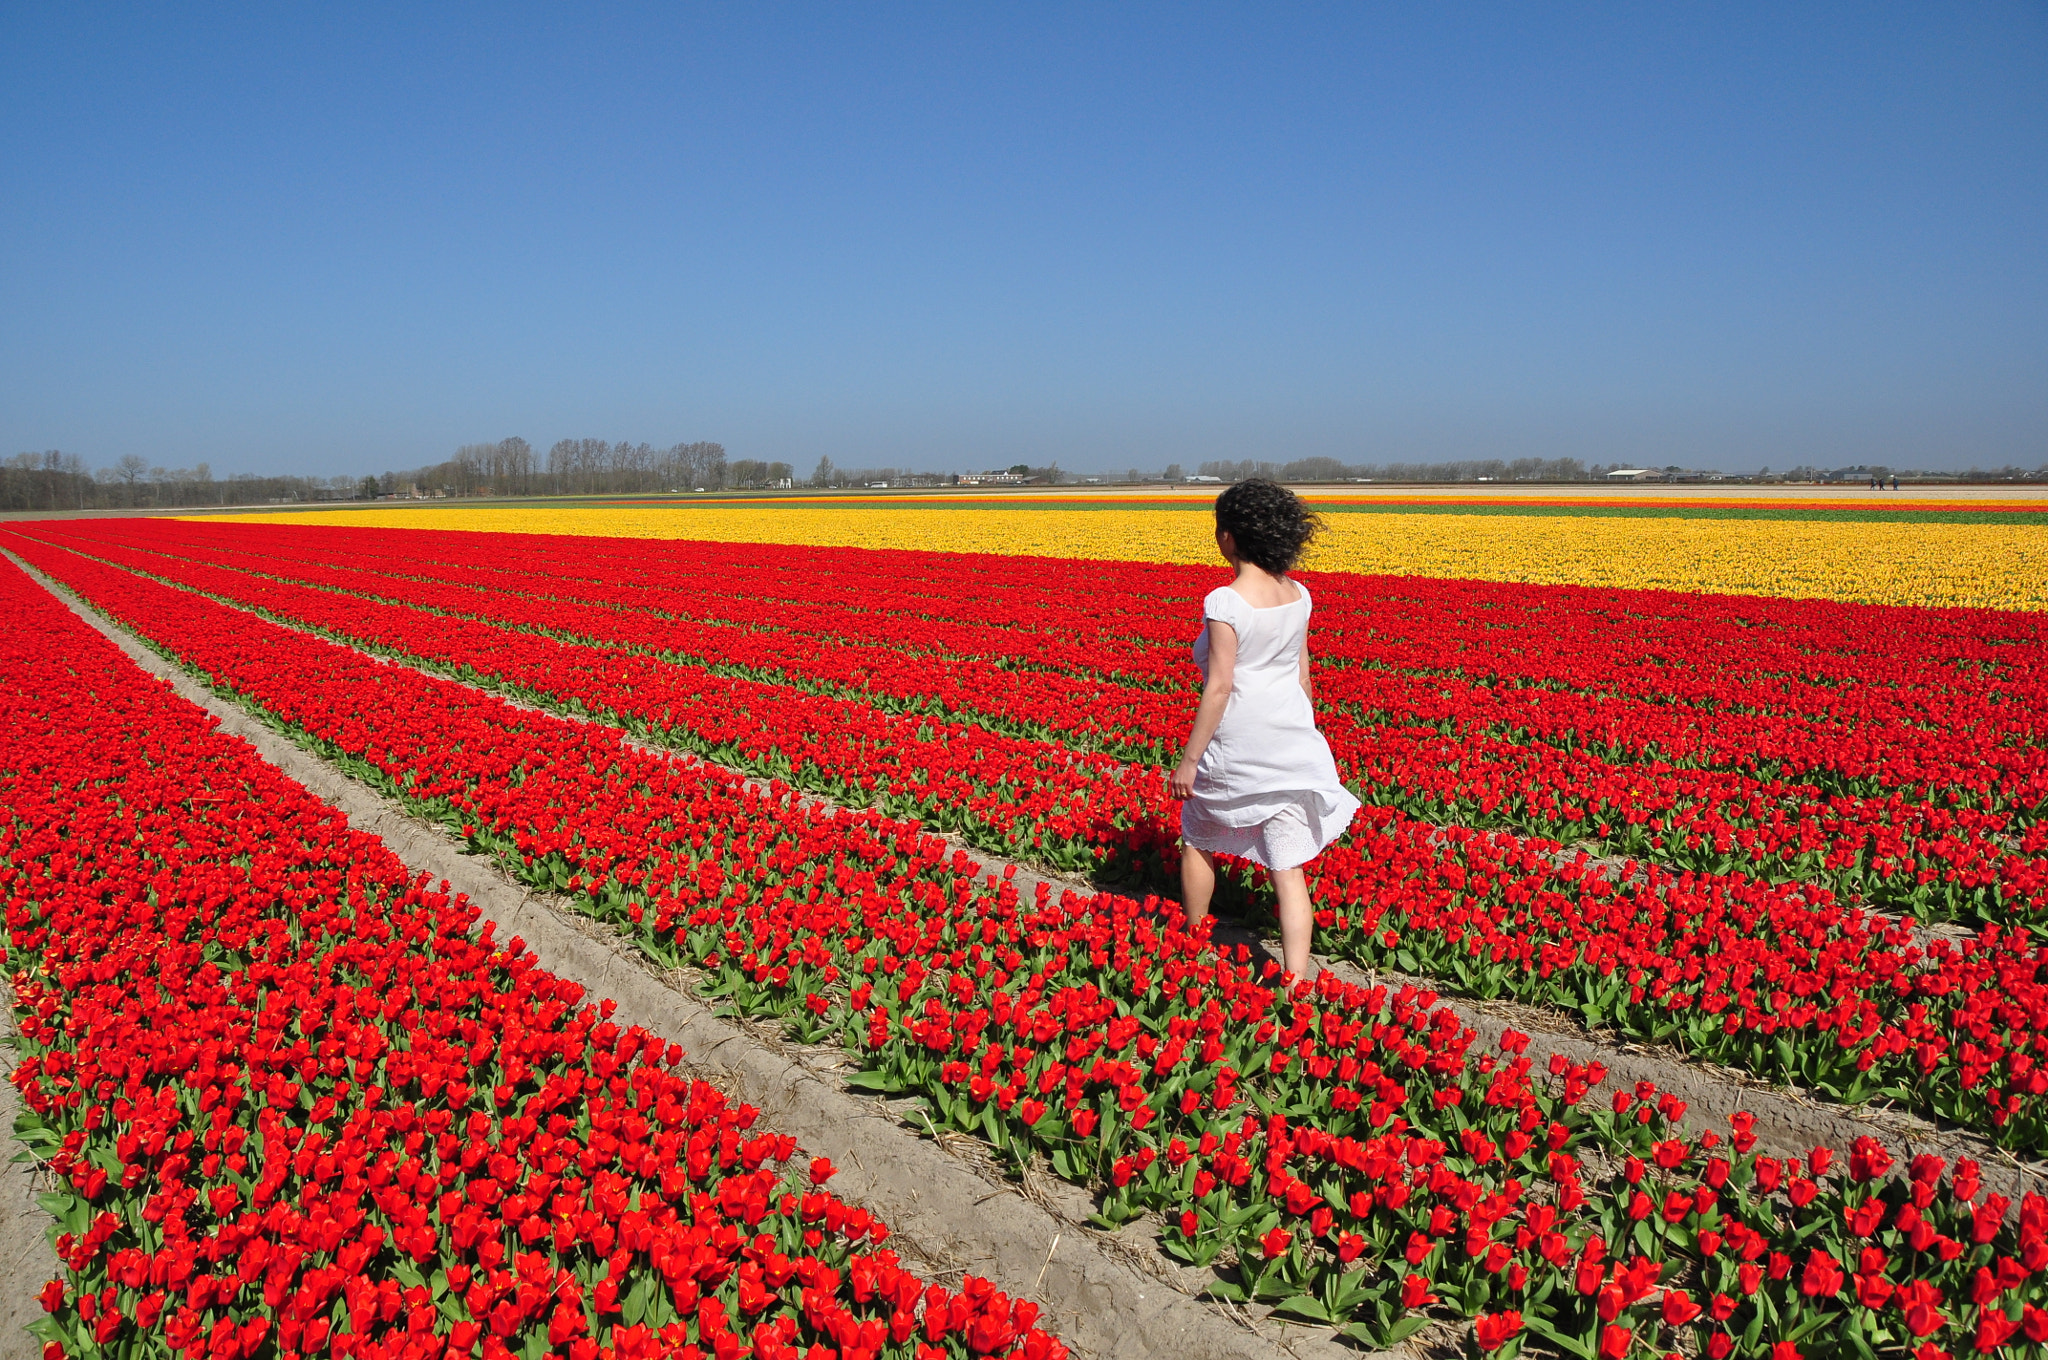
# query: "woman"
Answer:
x=1257 y=779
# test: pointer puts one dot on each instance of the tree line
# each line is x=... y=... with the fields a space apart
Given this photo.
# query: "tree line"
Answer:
x=826 y=474
x=54 y=480
x=1469 y=470
x=587 y=467
x=1539 y=470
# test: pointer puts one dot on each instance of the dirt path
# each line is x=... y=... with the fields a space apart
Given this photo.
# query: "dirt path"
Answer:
x=26 y=1258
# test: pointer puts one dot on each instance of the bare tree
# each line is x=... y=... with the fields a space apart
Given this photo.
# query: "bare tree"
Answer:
x=129 y=470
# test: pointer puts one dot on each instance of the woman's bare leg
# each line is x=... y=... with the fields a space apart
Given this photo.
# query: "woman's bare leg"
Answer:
x=1297 y=920
x=1197 y=882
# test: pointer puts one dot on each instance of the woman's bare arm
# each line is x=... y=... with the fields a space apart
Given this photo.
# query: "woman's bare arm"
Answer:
x=1308 y=686
x=1215 y=696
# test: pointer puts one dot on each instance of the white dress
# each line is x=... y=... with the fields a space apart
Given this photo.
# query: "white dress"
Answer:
x=1266 y=789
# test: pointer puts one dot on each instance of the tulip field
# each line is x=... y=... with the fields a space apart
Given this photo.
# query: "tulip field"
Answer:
x=1976 y=553
x=295 y=1102
x=297 y=1108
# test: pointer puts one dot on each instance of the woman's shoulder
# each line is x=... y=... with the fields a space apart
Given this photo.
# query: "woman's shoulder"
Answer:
x=1227 y=605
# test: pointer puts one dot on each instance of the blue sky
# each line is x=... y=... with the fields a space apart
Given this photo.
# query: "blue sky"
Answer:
x=347 y=239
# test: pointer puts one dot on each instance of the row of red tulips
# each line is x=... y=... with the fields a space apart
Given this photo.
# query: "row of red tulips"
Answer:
x=1783 y=980
x=1894 y=852
x=295 y=1106
x=1811 y=656
x=1976 y=674
x=1341 y=1147
x=1006 y=792
x=1863 y=700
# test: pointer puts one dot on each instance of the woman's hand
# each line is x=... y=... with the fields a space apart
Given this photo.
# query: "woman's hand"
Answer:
x=1183 y=781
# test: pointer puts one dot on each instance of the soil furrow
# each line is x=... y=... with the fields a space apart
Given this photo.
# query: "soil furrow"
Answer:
x=27 y=1260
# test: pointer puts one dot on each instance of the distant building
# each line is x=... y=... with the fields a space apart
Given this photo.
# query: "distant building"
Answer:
x=991 y=479
x=1200 y=477
x=1634 y=475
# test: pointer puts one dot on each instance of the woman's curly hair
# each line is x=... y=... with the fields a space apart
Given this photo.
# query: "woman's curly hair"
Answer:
x=1269 y=524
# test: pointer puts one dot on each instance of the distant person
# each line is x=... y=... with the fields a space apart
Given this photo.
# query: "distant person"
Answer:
x=1257 y=780
x=1895 y=481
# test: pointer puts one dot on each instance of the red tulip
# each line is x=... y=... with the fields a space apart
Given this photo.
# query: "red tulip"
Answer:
x=1492 y=1330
